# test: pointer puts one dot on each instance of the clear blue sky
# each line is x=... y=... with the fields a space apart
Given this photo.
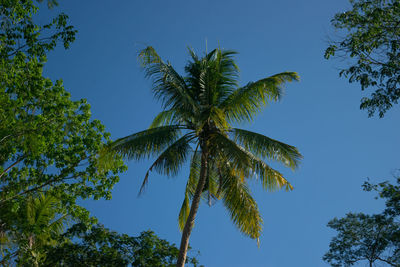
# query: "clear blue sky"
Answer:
x=319 y=115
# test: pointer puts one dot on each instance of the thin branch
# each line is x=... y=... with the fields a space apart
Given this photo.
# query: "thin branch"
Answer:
x=60 y=177
x=37 y=188
x=5 y=137
x=8 y=257
x=12 y=165
x=388 y=262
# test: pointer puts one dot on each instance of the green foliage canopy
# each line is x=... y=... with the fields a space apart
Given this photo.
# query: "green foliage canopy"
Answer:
x=372 y=41
x=99 y=246
x=361 y=237
x=46 y=139
x=48 y=143
x=372 y=238
x=34 y=226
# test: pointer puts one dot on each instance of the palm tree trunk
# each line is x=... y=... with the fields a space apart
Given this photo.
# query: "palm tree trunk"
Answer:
x=193 y=209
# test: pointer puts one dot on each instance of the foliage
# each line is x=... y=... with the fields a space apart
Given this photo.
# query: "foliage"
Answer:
x=21 y=36
x=50 y=3
x=197 y=125
x=390 y=193
x=36 y=225
x=46 y=139
x=98 y=246
x=48 y=143
x=372 y=39
x=372 y=238
x=361 y=237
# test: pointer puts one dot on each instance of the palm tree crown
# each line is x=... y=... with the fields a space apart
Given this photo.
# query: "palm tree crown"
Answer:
x=196 y=124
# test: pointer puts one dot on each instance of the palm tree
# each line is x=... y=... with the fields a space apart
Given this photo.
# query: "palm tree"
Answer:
x=43 y=224
x=37 y=225
x=196 y=123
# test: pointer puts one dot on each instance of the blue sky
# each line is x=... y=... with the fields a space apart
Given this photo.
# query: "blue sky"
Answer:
x=320 y=115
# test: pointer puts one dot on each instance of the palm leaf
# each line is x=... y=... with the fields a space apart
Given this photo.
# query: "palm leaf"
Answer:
x=245 y=102
x=57 y=226
x=263 y=146
x=148 y=56
x=171 y=159
x=225 y=75
x=146 y=143
x=212 y=77
x=168 y=85
x=244 y=164
x=190 y=188
x=164 y=118
x=210 y=191
x=184 y=211
x=229 y=153
x=242 y=207
x=219 y=119
x=271 y=179
x=41 y=209
x=42 y=218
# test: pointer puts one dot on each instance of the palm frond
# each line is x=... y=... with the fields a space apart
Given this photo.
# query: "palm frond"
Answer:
x=210 y=191
x=242 y=207
x=194 y=174
x=219 y=119
x=190 y=188
x=263 y=146
x=246 y=102
x=184 y=212
x=212 y=77
x=145 y=143
x=41 y=209
x=230 y=153
x=212 y=187
x=225 y=75
x=43 y=219
x=57 y=226
x=171 y=159
x=193 y=54
x=164 y=118
x=148 y=56
x=168 y=86
x=244 y=164
x=270 y=178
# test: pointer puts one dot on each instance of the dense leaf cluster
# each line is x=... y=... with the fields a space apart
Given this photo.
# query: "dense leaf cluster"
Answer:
x=371 y=238
x=99 y=246
x=46 y=139
x=372 y=39
x=48 y=143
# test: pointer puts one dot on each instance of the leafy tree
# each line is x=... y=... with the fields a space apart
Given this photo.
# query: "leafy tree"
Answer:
x=361 y=237
x=99 y=246
x=390 y=193
x=372 y=39
x=48 y=143
x=21 y=38
x=196 y=124
x=372 y=238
